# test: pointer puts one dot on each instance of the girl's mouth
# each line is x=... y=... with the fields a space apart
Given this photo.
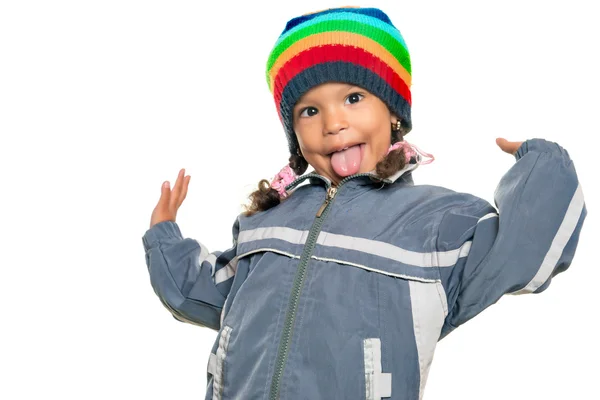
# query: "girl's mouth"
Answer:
x=347 y=161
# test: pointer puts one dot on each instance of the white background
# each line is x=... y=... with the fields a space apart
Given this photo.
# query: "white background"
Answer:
x=100 y=102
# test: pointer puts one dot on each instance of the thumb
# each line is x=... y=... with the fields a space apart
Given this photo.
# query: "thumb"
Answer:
x=165 y=192
x=501 y=142
x=506 y=146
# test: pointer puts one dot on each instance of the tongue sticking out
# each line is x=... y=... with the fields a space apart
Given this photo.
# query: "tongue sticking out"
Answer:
x=347 y=162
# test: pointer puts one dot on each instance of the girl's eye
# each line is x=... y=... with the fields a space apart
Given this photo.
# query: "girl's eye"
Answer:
x=355 y=98
x=308 y=112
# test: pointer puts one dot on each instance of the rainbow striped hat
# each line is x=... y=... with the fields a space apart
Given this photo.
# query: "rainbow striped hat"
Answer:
x=353 y=45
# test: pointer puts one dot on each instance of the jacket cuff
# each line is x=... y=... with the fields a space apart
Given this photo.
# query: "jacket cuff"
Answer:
x=159 y=232
x=538 y=145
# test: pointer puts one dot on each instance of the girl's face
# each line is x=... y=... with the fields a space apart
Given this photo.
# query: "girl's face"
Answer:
x=333 y=116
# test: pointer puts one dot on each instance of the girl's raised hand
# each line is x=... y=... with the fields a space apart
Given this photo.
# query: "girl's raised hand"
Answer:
x=508 y=147
x=170 y=200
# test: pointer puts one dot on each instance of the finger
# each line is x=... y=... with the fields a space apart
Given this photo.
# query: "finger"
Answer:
x=184 y=191
x=165 y=193
x=506 y=146
x=179 y=180
x=501 y=142
x=177 y=189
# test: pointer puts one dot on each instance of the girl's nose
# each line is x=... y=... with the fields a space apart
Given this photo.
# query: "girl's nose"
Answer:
x=334 y=121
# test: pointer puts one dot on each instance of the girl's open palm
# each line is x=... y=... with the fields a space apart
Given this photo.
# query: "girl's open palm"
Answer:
x=170 y=200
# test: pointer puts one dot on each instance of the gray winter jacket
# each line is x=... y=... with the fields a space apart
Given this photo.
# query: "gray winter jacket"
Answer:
x=343 y=292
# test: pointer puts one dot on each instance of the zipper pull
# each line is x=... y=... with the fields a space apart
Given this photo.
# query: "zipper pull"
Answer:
x=330 y=193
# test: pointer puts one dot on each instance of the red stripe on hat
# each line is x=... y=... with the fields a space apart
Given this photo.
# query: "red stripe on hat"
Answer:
x=333 y=53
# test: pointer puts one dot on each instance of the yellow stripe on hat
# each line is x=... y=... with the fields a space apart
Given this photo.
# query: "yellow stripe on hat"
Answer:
x=340 y=38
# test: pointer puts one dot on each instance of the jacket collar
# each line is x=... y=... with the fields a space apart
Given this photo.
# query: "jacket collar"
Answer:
x=359 y=178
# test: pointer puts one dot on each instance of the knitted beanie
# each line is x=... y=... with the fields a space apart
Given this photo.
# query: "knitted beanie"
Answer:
x=354 y=45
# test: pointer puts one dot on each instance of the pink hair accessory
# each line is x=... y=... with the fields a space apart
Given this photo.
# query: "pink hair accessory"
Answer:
x=282 y=179
x=410 y=150
x=287 y=174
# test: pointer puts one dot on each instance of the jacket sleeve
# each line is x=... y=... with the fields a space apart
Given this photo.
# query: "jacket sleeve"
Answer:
x=520 y=246
x=190 y=282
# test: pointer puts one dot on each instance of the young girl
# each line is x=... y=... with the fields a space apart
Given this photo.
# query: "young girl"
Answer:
x=341 y=281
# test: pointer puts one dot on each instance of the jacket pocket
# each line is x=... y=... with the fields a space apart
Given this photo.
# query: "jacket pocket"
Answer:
x=411 y=316
x=245 y=266
x=377 y=383
x=216 y=363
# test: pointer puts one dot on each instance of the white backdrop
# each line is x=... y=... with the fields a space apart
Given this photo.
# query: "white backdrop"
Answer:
x=100 y=102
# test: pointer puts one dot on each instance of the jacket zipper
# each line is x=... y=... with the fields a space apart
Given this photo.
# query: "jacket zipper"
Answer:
x=311 y=241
